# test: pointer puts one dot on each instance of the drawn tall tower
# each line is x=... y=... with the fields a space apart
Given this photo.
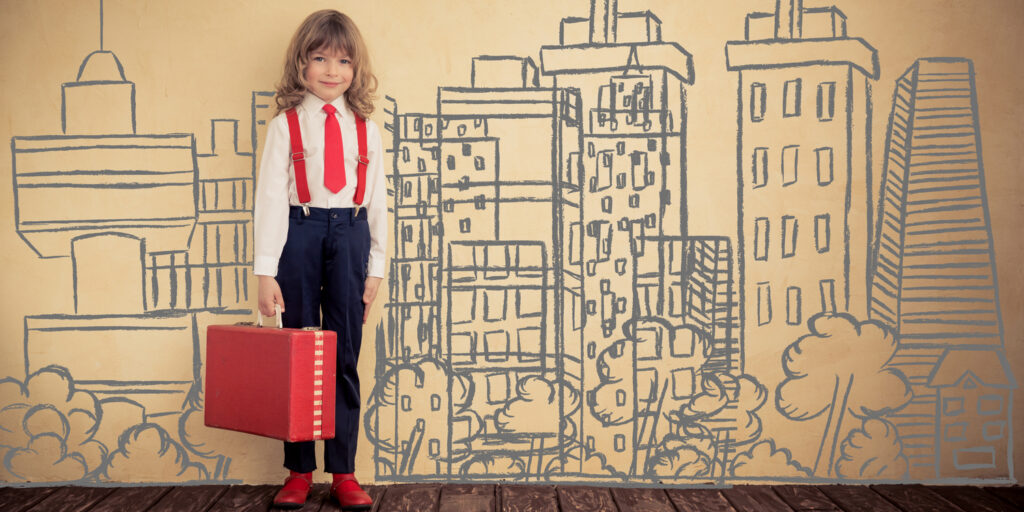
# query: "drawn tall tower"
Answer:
x=803 y=160
x=934 y=277
x=633 y=163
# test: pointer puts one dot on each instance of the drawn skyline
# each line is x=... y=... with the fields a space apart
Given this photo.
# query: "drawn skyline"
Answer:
x=607 y=345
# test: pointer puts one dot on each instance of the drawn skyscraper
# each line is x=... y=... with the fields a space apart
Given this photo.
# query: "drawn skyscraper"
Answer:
x=633 y=163
x=934 y=277
x=804 y=169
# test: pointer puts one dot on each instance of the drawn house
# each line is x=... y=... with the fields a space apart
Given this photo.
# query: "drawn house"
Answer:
x=934 y=276
x=804 y=135
x=162 y=242
x=974 y=421
x=631 y=85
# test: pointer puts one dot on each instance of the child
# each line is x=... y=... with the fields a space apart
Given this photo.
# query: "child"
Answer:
x=325 y=246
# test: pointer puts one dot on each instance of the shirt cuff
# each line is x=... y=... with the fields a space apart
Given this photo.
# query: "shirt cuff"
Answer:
x=265 y=266
x=375 y=268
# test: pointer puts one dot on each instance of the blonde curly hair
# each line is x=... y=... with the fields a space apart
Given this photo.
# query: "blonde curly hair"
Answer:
x=332 y=30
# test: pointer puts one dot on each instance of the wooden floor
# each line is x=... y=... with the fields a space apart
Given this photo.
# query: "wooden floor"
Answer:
x=525 y=498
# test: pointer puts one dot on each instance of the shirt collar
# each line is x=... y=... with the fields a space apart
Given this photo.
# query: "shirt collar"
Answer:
x=314 y=105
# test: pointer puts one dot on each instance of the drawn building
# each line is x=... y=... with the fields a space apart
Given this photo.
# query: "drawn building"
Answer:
x=804 y=139
x=631 y=85
x=934 y=277
x=157 y=235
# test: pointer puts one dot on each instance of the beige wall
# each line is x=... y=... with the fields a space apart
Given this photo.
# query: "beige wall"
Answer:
x=194 y=61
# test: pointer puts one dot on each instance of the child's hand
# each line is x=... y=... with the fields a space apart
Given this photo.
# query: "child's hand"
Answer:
x=269 y=294
x=369 y=294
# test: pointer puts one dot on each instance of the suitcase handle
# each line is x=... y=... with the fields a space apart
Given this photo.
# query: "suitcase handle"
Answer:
x=277 y=314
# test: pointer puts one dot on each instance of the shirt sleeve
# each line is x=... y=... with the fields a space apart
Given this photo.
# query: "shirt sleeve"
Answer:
x=376 y=205
x=270 y=222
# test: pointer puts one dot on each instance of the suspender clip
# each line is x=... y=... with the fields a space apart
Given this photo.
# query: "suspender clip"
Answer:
x=298 y=156
x=363 y=160
x=356 y=214
x=305 y=210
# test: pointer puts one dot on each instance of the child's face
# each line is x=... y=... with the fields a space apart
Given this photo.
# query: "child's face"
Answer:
x=328 y=73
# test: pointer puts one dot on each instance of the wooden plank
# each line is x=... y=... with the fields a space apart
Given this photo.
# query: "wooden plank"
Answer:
x=130 y=498
x=468 y=498
x=1012 y=495
x=804 y=497
x=17 y=499
x=585 y=499
x=755 y=498
x=699 y=500
x=411 y=498
x=376 y=493
x=189 y=497
x=647 y=499
x=319 y=498
x=855 y=498
x=528 y=498
x=972 y=498
x=246 y=498
x=72 y=499
x=915 y=498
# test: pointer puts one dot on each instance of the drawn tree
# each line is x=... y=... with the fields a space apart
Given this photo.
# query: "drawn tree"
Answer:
x=839 y=367
x=534 y=412
x=711 y=426
x=409 y=408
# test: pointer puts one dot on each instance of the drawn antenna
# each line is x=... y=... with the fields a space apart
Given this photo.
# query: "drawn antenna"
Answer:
x=101 y=25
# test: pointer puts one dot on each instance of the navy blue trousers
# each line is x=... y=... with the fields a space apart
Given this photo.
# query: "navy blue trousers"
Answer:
x=323 y=269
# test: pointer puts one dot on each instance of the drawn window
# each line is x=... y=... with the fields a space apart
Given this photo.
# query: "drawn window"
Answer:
x=790 y=155
x=479 y=163
x=620 y=442
x=434 y=447
x=953 y=406
x=495 y=305
x=989 y=405
x=764 y=303
x=450 y=161
x=463 y=302
x=407 y=188
x=682 y=383
x=606 y=204
x=634 y=200
x=575 y=243
x=467 y=149
x=793 y=305
x=826 y=101
x=407 y=233
x=759 y=167
x=405 y=154
x=827 y=289
x=464 y=225
x=761 y=239
x=824 y=163
x=789 y=232
x=528 y=303
x=758 y=100
x=791 y=98
x=496 y=346
x=620 y=397
x=639 y=170
x=480 y=202
x=822 y=232
x=497 y=388
x=955 y=432
x=435 y=402
x=974 y=458
x=406 y=403
x=449 y=206
x=993 y=430
x=463 y=348
x=529 y=344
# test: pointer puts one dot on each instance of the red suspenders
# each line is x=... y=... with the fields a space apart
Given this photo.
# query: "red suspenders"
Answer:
x=299 y=159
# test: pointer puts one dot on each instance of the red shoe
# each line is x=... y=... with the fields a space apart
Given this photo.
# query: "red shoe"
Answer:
x=350 y=496
x=293 y=494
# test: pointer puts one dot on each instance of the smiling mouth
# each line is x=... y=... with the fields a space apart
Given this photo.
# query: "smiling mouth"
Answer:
x=331 y=84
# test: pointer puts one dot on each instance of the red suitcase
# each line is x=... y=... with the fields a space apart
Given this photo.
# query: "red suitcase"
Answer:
x=271 y=382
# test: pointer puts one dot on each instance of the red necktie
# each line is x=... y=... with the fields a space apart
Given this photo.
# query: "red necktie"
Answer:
x=334 y=152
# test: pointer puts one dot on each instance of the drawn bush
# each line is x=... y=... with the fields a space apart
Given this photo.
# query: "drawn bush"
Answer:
x=815 y=383
x=47 y=428
x=146 y=453
x=873 y=451
x=764 y=459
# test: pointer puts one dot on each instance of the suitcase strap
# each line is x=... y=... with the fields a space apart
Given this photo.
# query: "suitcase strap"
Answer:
x=318 y=383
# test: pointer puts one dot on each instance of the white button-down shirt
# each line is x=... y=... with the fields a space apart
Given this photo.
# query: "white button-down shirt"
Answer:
x=275 y=186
